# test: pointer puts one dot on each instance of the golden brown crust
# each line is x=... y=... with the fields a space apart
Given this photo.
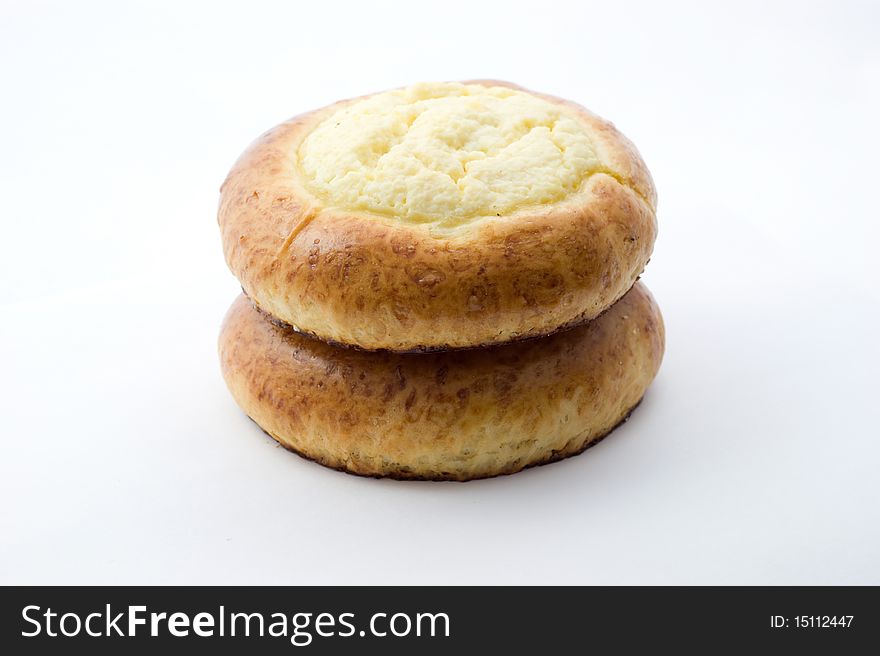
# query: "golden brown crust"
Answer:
x=409 y=476
x=378 y=283
x=455 y=415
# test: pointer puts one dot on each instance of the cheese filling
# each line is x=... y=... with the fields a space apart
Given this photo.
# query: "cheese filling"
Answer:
x=447 y=153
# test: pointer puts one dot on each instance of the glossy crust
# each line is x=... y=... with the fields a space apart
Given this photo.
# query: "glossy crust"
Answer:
x=373 y=282
x=455 y=415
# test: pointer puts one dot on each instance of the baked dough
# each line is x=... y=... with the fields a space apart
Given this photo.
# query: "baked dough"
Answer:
x=438 y=216
x=453 y=415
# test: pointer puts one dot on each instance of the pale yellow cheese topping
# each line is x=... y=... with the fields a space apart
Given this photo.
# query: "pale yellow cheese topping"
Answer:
x=447 y=153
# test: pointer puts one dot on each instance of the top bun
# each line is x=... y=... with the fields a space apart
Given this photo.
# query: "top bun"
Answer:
x=438 y=216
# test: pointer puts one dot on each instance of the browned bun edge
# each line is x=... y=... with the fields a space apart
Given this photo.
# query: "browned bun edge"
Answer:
x=441 y=478
x=426 y=348
x=454 y=415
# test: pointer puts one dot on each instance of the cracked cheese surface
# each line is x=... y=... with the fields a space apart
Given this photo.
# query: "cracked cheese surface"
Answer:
x=447 y=153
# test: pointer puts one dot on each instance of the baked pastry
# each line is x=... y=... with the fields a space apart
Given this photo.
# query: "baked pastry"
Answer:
x=438 y=216
x=453 y=415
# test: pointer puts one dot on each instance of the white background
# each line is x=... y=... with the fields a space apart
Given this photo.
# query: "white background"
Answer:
x=755 y=456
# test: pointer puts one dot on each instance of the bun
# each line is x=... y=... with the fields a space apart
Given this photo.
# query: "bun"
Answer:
x=438 y=216
x=454 y=415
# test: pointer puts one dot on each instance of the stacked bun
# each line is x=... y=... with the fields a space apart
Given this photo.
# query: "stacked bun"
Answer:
x=440 y=282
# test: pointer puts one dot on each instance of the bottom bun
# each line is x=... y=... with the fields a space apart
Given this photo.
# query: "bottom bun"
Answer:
x=454 y=415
